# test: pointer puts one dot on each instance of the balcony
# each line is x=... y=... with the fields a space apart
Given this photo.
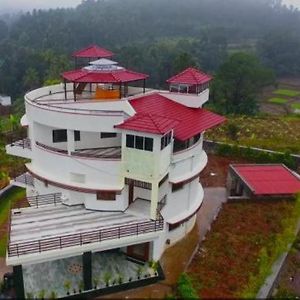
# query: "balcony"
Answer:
x=74 y=229
x=97 y=153
x=21 y=148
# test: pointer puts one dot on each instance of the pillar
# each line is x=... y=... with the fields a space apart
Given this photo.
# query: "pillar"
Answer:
x=19 y=282
x=71 y=141
x=154 y=200
x=87 y=270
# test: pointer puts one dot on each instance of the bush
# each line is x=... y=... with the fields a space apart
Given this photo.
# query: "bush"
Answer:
x=185 y=287
x=256 y=155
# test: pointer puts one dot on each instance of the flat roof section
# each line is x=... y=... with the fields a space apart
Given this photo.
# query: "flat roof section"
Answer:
x=268 y=179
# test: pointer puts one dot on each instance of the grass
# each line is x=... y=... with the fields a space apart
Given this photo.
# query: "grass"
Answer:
x=241 y=247
x=6 y=201
x=274 y=133
x=287 y=92
x=277 y=100
x=296 y=105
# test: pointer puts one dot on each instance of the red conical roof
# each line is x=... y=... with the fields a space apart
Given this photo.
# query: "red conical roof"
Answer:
x=93 y=51
x=190 y=76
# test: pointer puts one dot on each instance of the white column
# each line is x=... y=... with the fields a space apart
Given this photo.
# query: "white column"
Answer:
x=71 y=141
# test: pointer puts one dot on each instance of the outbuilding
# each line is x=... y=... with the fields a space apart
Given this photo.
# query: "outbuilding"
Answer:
x=257 y=181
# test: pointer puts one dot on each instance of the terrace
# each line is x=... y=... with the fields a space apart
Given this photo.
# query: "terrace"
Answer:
x=35 y=230
x=101 y=153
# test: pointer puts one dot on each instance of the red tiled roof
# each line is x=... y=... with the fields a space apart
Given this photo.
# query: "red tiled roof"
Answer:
x=149 y=123
x=93 y=51
x=189 y=121
x=190 y=76
x=115 y=76
x=268 y=179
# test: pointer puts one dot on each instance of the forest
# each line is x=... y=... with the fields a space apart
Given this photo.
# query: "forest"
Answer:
x=158 y=37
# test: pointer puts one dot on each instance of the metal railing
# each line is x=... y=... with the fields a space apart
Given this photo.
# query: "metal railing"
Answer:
x=25 y=178
x=24 y=143
x=54 y=149
x=84 y=238
x=41 y=200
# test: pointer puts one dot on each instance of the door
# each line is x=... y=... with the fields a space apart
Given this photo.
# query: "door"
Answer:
x=139 y=252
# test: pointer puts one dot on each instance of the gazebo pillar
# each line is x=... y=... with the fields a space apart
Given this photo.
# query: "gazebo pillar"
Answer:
x=144 y=86
x=120 y=91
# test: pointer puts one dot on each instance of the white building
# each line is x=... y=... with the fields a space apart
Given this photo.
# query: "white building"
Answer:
x=112 y=165
x=5 y=100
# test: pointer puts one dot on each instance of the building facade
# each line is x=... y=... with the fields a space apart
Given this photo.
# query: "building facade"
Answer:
x=113 y=165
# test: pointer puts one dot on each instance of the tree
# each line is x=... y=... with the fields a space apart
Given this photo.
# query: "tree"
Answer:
x=31 y=79
x=182 y=61
x=238 y=82
x=280 y=50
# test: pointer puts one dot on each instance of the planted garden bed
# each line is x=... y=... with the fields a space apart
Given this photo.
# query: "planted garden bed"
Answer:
x=241 y=247
x=273 y=133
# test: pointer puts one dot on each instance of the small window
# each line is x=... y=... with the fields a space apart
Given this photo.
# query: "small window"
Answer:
x=106 y=196
x=105 y=135
x=165 y=140
x=76 y=135
x=139 y=142
x=59 y=135
x=130 y=141
x=148 y=144
x=177 y=186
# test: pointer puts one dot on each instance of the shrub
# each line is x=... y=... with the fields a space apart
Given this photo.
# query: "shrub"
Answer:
x=185 y=287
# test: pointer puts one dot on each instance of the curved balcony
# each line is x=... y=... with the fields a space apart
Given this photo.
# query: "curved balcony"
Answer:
x=21 y=148
x=58 y=166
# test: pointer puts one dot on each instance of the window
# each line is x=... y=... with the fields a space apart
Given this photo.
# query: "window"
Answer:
x=105 y=135
x=165 y=140
x=177 y=186
x=139 y=142
x=148 y=144
x=77 y=135
x=129 y=141
x=60 y=135
x=106 y=195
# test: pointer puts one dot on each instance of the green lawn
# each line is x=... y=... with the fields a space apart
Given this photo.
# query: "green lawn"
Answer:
x=278 y=100
x=296 y=105
x=6 y=201
x=286 y=92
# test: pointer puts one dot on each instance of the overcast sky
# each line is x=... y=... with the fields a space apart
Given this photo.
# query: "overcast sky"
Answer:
x=25 y=5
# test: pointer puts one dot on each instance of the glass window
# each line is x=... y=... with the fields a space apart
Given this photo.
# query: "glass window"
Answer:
x=105 y=135
x=139 y=142
x=129 y=141
x=59 y=135
x=77 y=135
x=148 y=144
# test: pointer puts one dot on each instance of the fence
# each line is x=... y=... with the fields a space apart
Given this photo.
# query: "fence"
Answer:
x=79 y=239
x=41 y=200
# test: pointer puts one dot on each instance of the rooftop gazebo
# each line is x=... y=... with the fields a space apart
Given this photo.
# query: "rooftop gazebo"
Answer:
x=111 y=80
x=190 y=81
x=91 y=52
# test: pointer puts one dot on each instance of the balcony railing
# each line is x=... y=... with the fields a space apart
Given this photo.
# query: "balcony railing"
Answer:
x=24 y=143
x=84 y=238
x=48 y=199
x=25 y=178
x=102 y=153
